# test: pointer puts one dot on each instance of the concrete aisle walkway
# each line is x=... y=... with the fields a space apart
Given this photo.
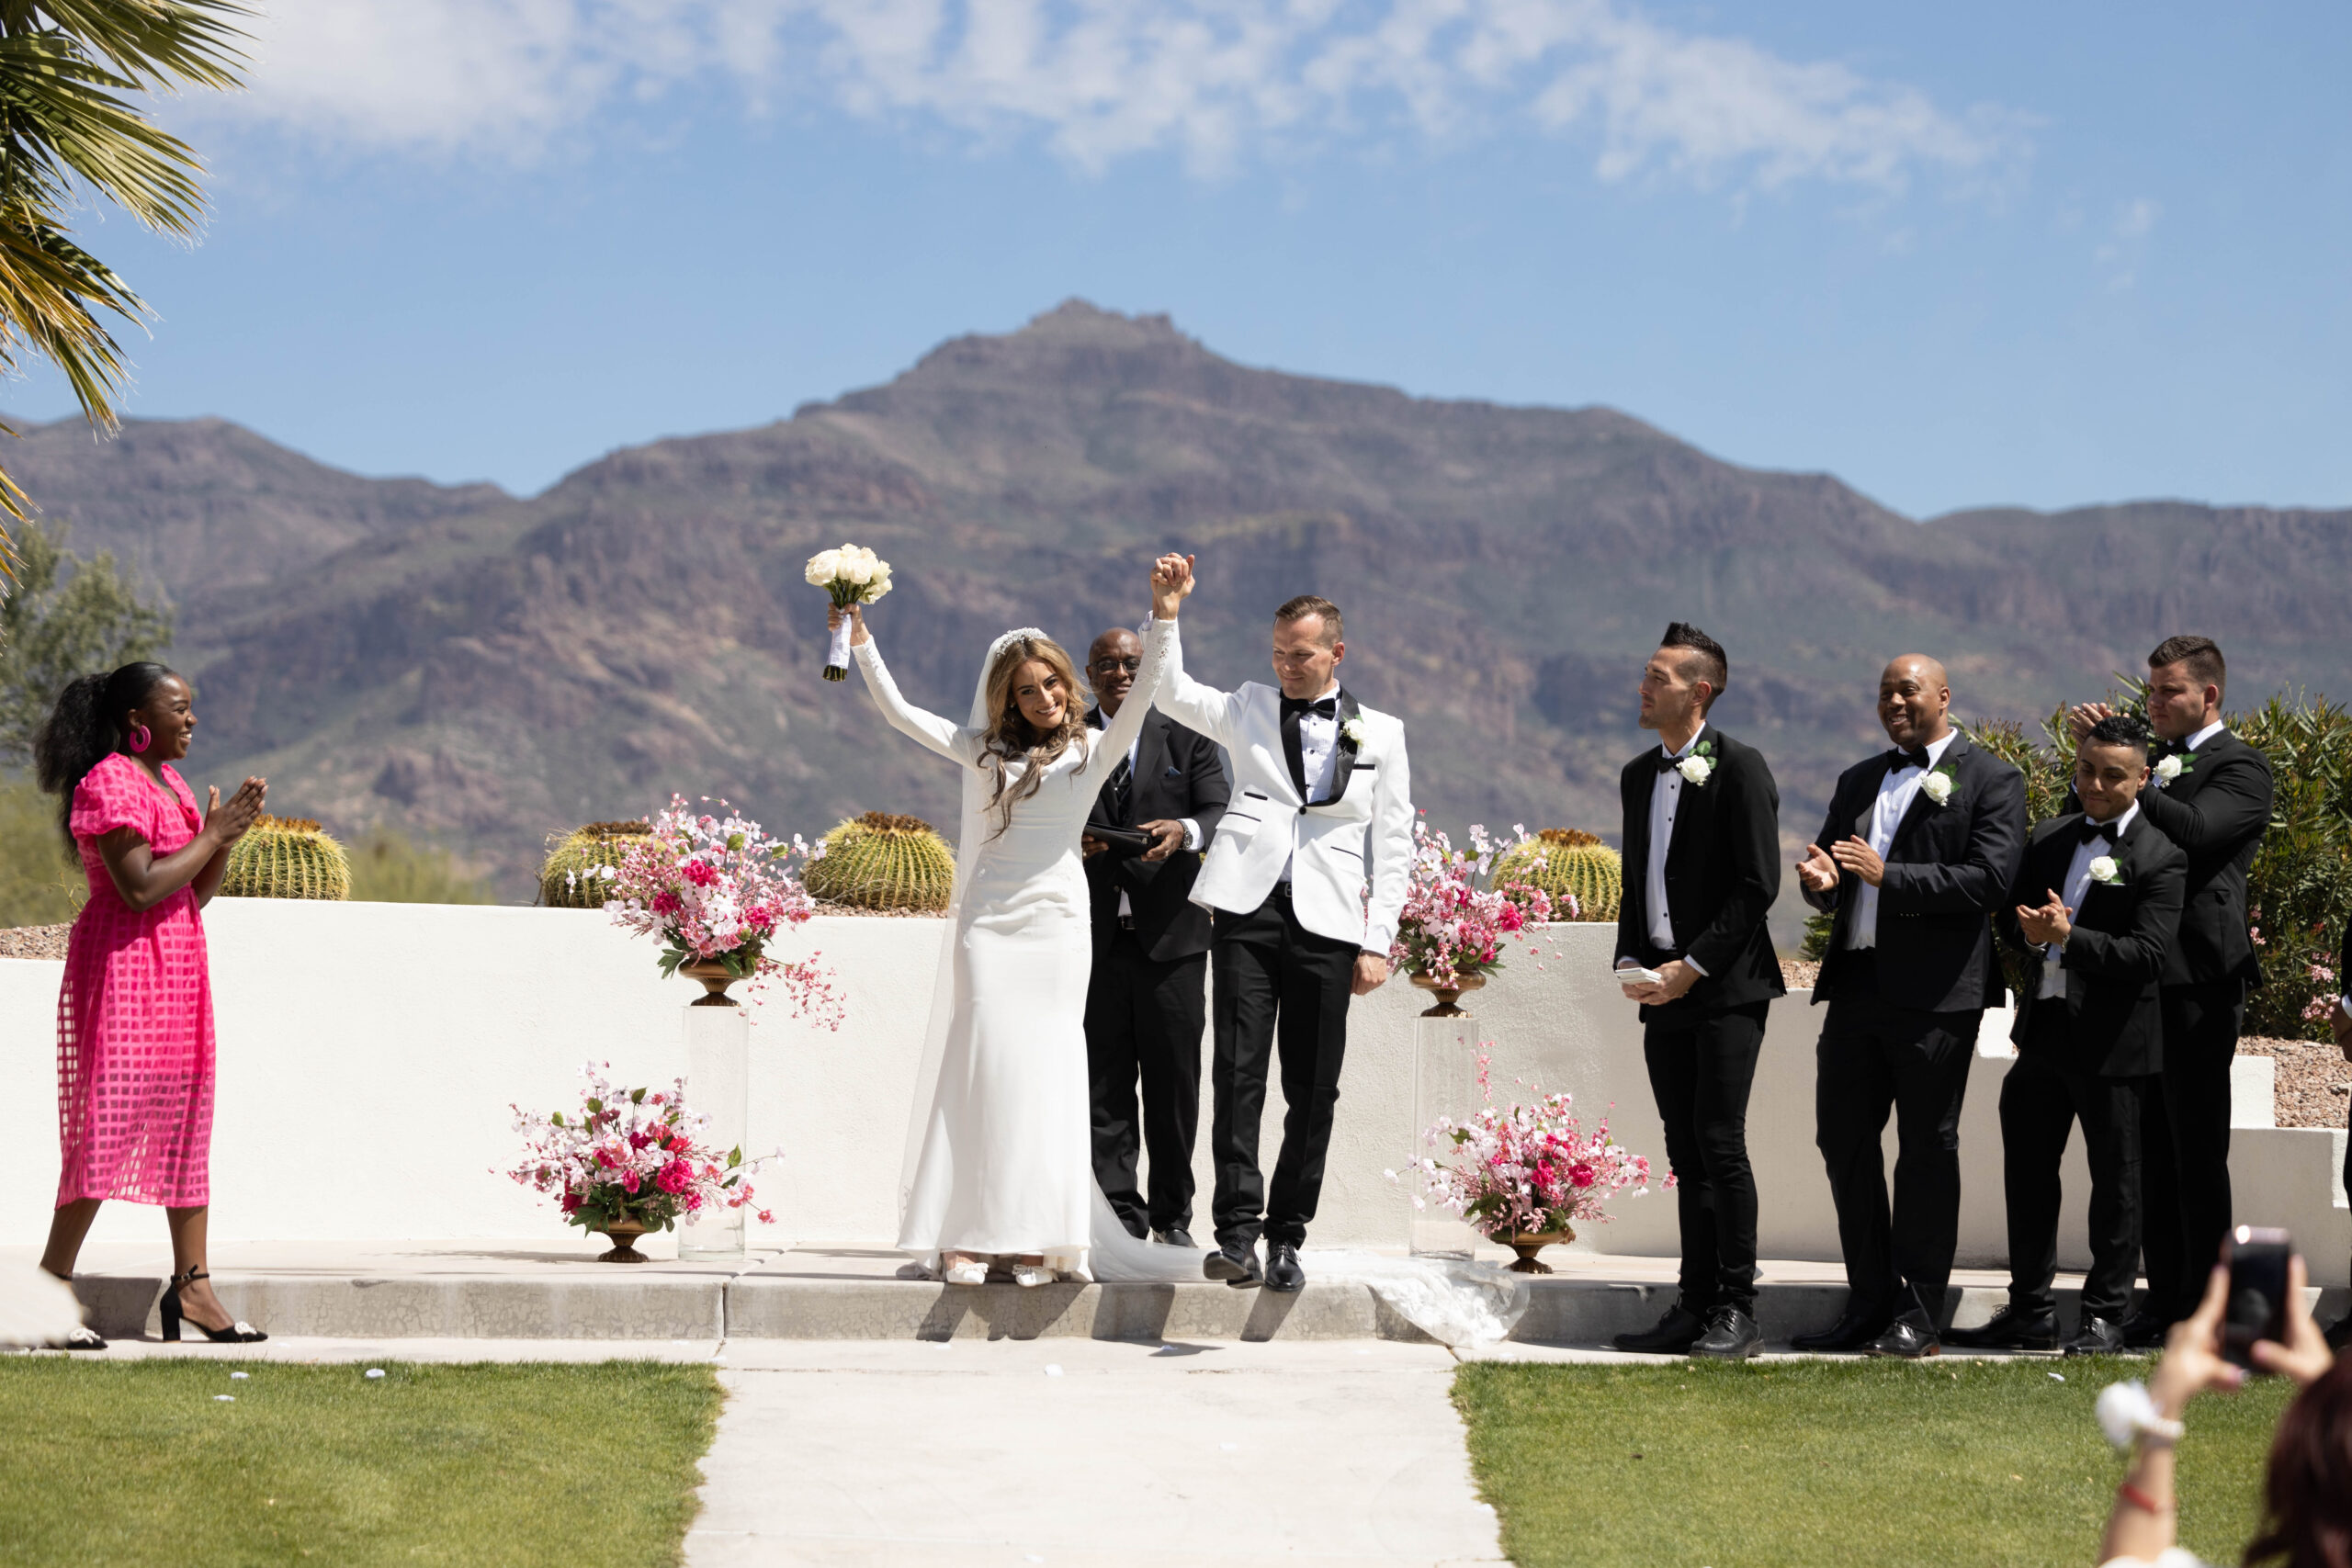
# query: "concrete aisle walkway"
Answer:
x=1086 y=1454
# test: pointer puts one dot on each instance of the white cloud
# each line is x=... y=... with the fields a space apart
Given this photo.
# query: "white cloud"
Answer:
x=2136 y=219
x=1216 y=81
x=2119 y=259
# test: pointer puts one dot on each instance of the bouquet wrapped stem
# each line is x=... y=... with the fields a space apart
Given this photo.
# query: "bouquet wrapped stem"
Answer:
x=849 y=575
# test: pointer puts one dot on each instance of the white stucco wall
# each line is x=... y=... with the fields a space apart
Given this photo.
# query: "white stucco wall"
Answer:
x=368 y=1053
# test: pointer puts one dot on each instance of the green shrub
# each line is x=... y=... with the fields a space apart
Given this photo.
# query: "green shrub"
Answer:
x=38 y=885
x=388 y=868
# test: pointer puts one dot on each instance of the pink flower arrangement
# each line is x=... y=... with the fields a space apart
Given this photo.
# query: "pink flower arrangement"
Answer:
x=1452 y=929
x=1526 y=1169
x=715 y=888
x=629 y=1155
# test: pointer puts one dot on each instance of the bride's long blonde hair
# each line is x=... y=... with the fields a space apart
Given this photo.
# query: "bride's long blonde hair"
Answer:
x=1009 y=734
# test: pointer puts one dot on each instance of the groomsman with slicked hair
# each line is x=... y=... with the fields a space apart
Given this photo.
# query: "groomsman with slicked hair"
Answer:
x=2210 y=796
x=1918 y=851
x=1702 y=866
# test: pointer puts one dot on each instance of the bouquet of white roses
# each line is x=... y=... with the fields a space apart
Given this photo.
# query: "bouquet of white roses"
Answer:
x=850 y=575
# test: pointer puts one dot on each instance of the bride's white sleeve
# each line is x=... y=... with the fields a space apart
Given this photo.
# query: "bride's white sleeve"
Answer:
x=1159 y=638
x=949 y=740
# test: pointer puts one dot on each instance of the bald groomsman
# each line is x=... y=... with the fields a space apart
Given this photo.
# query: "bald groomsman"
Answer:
x=1920 y=846
x=2211 y=797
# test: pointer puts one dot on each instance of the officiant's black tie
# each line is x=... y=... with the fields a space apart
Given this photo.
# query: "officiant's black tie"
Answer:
x=1295 y=708
x=1122 y=788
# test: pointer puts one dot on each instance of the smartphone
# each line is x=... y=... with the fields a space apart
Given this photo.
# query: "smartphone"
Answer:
x=2257 y=1300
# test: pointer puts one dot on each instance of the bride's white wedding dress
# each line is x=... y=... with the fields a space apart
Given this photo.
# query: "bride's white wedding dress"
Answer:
x=998 y=1157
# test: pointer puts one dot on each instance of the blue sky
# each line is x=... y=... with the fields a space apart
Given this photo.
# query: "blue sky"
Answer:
x=1957 y=255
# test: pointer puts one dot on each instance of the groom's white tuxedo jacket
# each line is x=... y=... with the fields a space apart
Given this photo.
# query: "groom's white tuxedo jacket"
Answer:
x=1361 y=838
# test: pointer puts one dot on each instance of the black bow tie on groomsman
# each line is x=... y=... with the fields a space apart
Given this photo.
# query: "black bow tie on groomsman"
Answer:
x=2097 y=830
x=1899 y=759
x=1324 y=707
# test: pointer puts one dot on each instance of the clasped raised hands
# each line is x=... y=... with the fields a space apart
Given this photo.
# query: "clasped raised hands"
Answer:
x=2053 y=922
x=1171 y=581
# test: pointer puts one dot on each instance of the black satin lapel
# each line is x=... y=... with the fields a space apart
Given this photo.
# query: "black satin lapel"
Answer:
x=1343 y=759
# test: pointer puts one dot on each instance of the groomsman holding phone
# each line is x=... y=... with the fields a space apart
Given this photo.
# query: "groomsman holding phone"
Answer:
x=1701 y=868
x=1919 y=849
x=2211 y=797
x=2093 y=914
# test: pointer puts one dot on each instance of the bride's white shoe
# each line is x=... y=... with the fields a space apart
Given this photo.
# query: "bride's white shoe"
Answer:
x=1031 y=1275
x=971 y=1271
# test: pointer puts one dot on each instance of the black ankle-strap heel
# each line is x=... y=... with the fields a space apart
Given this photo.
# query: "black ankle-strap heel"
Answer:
x=168 y=1309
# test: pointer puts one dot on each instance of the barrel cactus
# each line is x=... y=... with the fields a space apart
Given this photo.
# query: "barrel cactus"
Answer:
x=581 y=863
x=286 y=857
x=881 y=862
x=1572 y=863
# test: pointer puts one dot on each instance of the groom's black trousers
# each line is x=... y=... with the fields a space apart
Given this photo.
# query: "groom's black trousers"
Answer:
x=1277 y=984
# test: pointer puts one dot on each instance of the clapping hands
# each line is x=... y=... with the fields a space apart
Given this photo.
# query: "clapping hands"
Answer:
x=2052 y=922
x=232 y=821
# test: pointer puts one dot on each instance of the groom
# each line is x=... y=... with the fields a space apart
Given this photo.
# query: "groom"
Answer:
x=1322 y=802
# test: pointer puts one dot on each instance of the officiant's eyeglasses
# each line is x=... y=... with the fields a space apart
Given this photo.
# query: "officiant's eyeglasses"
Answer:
x=1109 y=666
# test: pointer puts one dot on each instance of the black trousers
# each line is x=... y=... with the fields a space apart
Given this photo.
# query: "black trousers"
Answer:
x=1278 y=984
x=2038 y=1105
x=1700 y=1072
x=2185 y=1142
x=1873 y=1059
x=1144 y=1019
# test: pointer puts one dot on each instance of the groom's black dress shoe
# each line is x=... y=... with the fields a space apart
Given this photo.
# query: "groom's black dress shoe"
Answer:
x=1730 y=1334
x=1174 y=1235
x=1675 y=1333
x=2097 y=1336
x=1850 y=1332
x=1282 y=1272
x=1911 y=1336
x=2009 y=1330
x=1237 y=1266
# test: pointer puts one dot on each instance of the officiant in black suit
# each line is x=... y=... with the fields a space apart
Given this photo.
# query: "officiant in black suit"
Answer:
x=1917 y=854
x=2211 y=797
x=2093 y=914
x=1145 y=1003
x=1702 y=867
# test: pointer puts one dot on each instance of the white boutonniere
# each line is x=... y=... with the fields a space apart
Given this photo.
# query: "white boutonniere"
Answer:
x=1354 y=730
x=2171 y=768
x=1697 y=767
x=1939 y=785
x=2105 y=870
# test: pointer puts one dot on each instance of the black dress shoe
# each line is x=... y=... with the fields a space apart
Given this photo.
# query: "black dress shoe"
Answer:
x=1731 y=1335
x=1237 y=1265
x=1911 y=1336
x=2009 y=1330
x=1672 y=1335
x=1282 y=1272
x=2143 y=1331
x=2097 y=1336
x=1175 y=1235
x=1850 y=1332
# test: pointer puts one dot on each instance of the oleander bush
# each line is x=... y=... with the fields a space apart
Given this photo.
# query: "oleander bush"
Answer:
x=883 y=861
x=287 y=857
x=1562 y=860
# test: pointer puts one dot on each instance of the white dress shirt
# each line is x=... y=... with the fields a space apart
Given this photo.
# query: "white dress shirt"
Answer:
x=1896 y=793
x=2078 y=883
x=1665 y=796
x=1318 y=750
x=1191 y=829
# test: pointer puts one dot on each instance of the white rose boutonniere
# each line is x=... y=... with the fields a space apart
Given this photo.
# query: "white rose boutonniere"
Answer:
x=1939 y=785
x=2169 y=769
x=1354 y=730
x=1699 y=766
x=2105 y=870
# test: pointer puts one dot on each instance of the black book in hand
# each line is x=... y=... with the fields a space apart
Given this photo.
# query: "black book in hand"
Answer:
x=1120 y=841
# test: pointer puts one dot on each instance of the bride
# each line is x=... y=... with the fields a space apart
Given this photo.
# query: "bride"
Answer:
x=998 y=1165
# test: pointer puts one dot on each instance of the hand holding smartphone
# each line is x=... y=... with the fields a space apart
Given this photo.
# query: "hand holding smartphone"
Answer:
x=1632 y=975
x=2257 y=1301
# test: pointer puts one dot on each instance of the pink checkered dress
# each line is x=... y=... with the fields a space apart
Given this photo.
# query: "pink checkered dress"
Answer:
x=134 y=1018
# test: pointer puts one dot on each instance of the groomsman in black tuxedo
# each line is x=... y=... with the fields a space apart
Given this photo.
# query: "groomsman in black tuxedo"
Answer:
x=2093 y=913
x=2340 y=1021
x=1702 y=866
x=1918 y=852
x=2211 y=799
x=1146 y=1007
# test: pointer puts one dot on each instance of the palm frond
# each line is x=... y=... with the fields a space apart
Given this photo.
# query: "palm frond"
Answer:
x=156 y=44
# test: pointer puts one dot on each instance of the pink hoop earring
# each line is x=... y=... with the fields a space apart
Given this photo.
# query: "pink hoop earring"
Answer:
x=140 y=738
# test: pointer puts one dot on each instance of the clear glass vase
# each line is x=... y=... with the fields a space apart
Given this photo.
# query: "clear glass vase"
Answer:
x=718 y=1088
x=1445 y=1083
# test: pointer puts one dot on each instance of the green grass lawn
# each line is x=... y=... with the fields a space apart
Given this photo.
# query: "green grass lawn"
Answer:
x=137 y=1462
x=1945 y=1464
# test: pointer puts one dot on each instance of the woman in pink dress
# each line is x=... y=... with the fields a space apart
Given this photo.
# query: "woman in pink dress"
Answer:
x=134 y=1018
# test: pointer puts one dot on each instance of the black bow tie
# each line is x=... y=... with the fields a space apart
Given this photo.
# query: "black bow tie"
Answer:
x=1899 y=759
x=1322 y=707
x=1667 y=761
x=2173 y=749
x=2097 y=830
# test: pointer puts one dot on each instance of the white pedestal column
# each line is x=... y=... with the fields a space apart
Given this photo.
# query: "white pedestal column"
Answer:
x=718 y=1087
x=1445 y=1083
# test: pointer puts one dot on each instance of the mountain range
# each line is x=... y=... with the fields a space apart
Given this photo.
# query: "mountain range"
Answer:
x=483 y=669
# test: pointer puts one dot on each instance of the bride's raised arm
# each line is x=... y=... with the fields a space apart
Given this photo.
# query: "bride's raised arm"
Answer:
x=950 y=741
x=1166 y=593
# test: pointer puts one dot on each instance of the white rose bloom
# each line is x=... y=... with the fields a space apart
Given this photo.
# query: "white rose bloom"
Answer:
x=879 y=586
x=2104 y=869
x=1938 y=787
x=824 y=565
x=1694 y=769
x=858 y=569
x=2168 y=770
